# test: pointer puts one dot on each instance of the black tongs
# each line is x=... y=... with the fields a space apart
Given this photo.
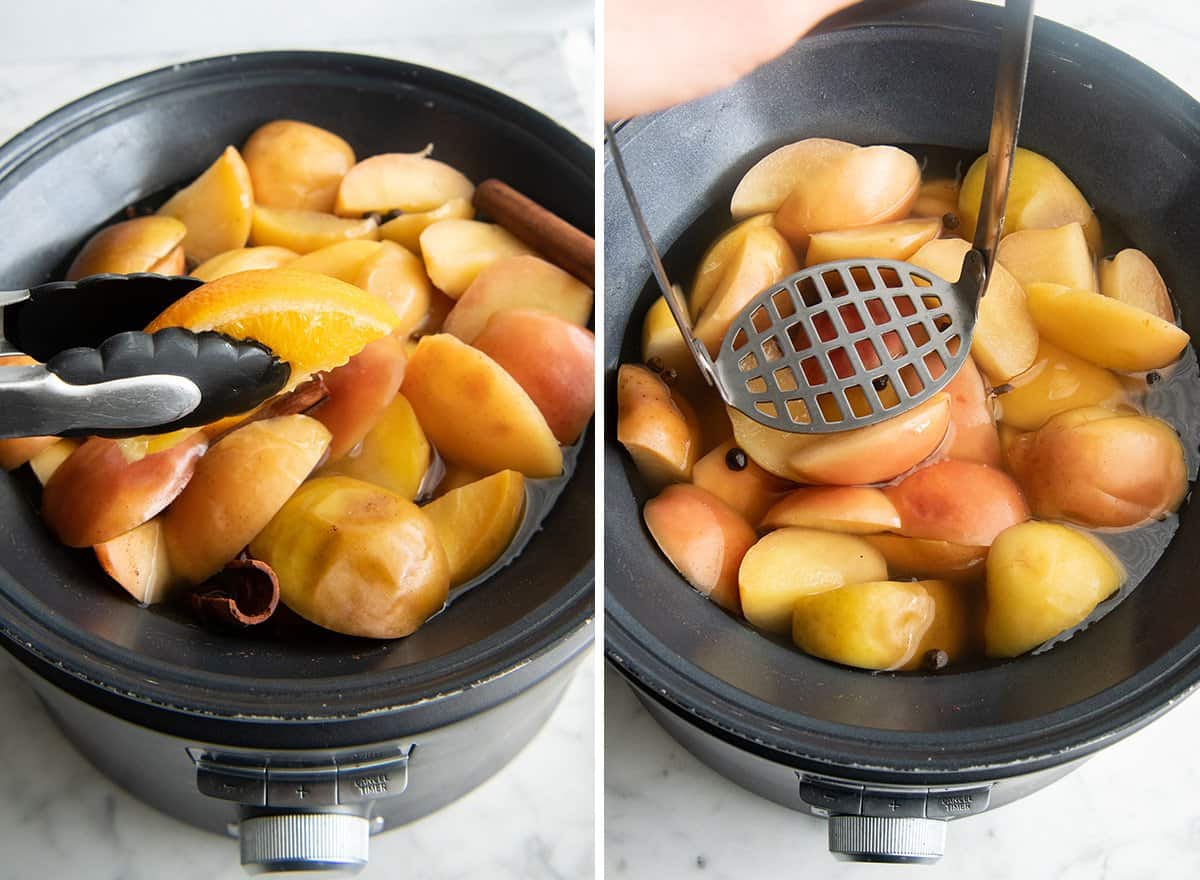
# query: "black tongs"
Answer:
x=97 y=376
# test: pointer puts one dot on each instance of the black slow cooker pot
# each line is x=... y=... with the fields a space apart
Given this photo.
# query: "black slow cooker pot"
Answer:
x=304 y=745
x=889 y=758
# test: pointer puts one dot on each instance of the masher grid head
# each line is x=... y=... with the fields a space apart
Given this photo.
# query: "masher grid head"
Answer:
x=844 y=345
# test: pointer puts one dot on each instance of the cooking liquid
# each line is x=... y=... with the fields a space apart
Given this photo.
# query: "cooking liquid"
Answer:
x=1171 y=394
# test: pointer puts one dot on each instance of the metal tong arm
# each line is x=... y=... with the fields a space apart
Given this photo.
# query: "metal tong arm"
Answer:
x=1015 y=37
x=34 y=401
x=675 y=301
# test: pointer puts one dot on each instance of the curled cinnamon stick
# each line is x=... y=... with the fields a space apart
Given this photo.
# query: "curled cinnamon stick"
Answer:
x=244 y=593
x=547 y=233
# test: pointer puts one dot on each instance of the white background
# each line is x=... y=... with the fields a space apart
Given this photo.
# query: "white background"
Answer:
x=1130 y=812
x=58 y=817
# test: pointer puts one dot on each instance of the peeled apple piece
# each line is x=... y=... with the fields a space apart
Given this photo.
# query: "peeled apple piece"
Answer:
x=856 y=510
x=477 y=522
x=1006 y=339
x=135 y=245
x=356 y=559
x=748 y=489
x=1054 y=256
x=456 y=252
x=962 y=502
x=654 y=428
x=399 y=181
x=1043 y=578
x=703 y=538
x=1103 y=330
x=925 y=558
x=1040 y=196
x=898 y=240
x=773 y=177
x=237 y=487
x=97 y=494
x=789 y=563
x=217 y=208
x=763 y=258
x=296 y=165
x=1057 y=382
x=866 y=186
x=716 y=259
x=394 y=454
x=875 y=625
x=474 y=413
x=1131 y=277
x=1101 y=468
x=954 y=629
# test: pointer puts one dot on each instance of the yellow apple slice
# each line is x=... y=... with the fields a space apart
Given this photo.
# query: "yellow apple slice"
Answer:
x=243 y=260
x=865 y=186
x=216 y=208
x=654 y=428
x=398 y=276
x=1132 y=278
x=129 y=246
x=477 y=522
x=1103 y=330
x=406 y=229
x=763 y=258
x=307 y=231
x=474 y=413
x=716 y=261
x=394 y=454
x=457 y=251
x=342 y=260
x=399 y=182
x=790 y=563
x=884 y=241
x=876 y=625
x=518 y=282
x=236 y=489
x=1053 y=256
x=855 y=510
x=1006 y=339
x=773 y=177
x=139 y=562
x=1040 y=196
x=296 y=165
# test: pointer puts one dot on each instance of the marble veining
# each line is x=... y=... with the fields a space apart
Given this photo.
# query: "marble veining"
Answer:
x=58 y=816
x=1129 y=812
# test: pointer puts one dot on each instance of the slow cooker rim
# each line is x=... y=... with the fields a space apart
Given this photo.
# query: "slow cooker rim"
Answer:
x=895 y=756
x=102 y=668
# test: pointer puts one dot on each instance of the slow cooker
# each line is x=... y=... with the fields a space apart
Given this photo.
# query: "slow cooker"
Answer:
x=891 y=759
x=300 y=746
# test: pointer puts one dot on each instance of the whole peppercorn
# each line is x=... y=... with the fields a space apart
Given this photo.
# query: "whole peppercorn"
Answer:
x=935 y=660
x=736 y=460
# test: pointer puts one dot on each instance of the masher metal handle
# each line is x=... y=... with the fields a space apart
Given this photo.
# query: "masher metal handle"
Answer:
x=672 y=294
x=1015 y=37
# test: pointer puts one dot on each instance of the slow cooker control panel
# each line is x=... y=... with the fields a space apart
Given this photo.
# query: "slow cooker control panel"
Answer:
x=830 y=797
x=256 y=783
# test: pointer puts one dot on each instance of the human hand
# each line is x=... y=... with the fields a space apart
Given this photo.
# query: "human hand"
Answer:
x=664 y=52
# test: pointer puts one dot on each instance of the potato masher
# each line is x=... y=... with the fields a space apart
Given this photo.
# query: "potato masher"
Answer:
x=851 y=343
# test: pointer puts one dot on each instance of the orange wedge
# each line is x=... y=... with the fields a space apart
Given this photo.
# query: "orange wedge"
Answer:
x=311 y=321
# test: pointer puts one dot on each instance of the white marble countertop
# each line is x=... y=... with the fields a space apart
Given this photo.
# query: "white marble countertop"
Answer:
x=66 y=820
x=1130 y=812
